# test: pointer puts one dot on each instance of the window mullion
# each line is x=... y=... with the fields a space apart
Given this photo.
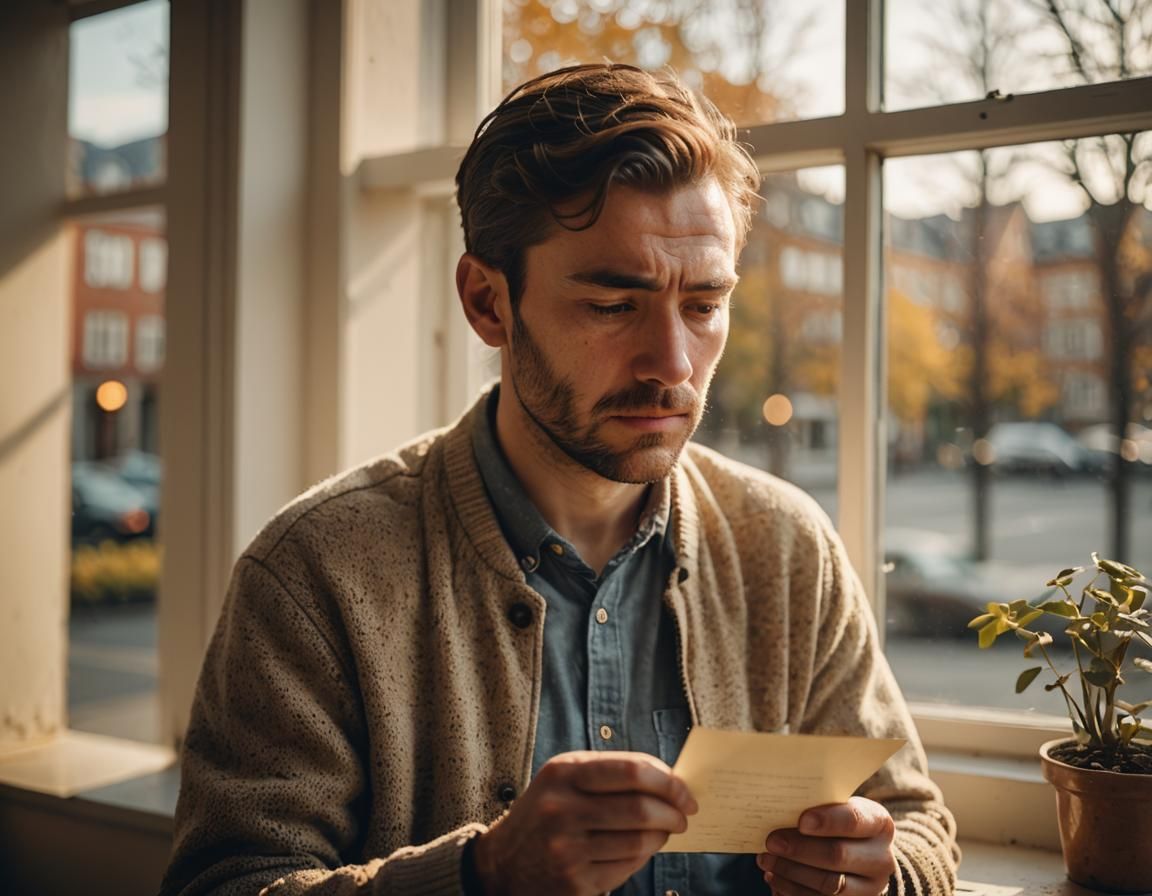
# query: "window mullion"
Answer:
x=860 y=439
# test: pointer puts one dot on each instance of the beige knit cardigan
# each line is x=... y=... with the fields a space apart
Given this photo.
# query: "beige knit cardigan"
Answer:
x=368 y=701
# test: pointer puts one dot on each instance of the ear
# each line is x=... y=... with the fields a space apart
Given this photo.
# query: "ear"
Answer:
x=483 y=293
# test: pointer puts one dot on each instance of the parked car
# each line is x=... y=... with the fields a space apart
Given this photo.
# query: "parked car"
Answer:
x=1101 y=442
x=106 y=507
x=1033 y=446
x=933 y=590
x=141 y=470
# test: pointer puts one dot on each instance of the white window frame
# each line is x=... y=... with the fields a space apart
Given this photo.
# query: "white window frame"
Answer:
x=859 y=140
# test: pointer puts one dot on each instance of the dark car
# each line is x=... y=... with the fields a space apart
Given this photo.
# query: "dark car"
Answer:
x=106 y=507
x=933 y=590
x=1033 y=446
x=142 y=471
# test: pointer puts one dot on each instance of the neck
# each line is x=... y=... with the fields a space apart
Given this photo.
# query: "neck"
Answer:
x=595 y=514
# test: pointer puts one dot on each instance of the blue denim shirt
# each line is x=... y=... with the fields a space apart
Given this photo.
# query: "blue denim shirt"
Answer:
x=611 y=677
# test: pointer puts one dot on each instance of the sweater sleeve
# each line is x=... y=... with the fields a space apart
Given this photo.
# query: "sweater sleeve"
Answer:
x=853 y=691
x=273 y=783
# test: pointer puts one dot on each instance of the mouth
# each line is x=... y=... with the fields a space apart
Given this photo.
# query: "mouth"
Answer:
x=656 y=421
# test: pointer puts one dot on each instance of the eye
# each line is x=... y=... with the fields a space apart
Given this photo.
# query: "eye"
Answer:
x=705 y=309
x=611 y=310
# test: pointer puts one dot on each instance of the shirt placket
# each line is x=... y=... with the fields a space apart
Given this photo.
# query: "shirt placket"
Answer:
x=606 y=670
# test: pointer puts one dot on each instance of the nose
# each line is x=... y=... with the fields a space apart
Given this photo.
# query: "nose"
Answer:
x=662 y=353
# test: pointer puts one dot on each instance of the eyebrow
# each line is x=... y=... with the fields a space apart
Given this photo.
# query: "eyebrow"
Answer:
x=606 y=278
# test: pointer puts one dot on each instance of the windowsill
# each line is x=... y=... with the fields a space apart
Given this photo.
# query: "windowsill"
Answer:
x=990 y=870
x=76 y=763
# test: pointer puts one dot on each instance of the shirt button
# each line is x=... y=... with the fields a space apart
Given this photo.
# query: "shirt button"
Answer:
x=557 y=549
x=605 y=732
x=529 y=563
x=520 y=615
x=506 y=793
x=601 y=615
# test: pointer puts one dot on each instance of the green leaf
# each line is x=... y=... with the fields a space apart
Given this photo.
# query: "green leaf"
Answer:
x=1100 y=674
x=1101 y=596
x=1133 y=709
x=989 y=633
x=1065 y=577
x=1100 y=621
x=1042 y=639
x=981 y=620
x=1128 y=730
x=1027 y=677
x=1139 y=595
x=1064 y=608
x=1031 y=616
x=1115 y=570
x=1019 y=606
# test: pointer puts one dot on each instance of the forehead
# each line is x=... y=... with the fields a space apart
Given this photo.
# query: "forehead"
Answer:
x=692 y=224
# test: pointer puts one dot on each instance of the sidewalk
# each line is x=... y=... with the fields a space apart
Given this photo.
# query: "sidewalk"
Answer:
x=112 y=671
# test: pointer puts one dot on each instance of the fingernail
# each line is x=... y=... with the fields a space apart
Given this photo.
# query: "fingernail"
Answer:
x=810 y=824
x=768 y=876
x=777 y=844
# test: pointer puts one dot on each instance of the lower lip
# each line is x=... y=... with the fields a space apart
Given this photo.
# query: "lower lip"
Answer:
x=653 y=424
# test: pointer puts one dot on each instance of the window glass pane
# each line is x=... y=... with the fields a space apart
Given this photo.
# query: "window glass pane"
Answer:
x=773 y=399
x=961 y=50
x=118 y=283
x=758 y=60
x=118 y=99
x=1014 y=301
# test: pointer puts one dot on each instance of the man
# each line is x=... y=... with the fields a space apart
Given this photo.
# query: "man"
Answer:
x=468 y=666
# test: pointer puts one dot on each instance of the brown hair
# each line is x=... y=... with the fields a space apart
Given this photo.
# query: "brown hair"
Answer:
x=574 y=132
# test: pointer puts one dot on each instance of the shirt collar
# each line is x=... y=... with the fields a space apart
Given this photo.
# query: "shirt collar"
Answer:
x=526 y=531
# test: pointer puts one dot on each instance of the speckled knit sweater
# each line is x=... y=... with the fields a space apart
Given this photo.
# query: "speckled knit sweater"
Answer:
x=368 y=701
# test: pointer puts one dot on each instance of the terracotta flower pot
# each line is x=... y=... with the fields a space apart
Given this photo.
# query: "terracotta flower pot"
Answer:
x=1105 y=825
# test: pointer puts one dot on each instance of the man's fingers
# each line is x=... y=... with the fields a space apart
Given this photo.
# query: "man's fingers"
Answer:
x=859 y=818
x=788 y=875
x=627 y=812
x=620 y=772
x=614 y=846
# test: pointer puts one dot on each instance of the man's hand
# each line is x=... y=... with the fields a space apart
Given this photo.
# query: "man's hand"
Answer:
x=587 y=822
x=843 y=849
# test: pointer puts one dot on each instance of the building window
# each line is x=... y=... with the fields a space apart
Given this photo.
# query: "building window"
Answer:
x=105 y=339
x=153 y=265
x=1084 y=396
x=108 y=260
x=149 y=343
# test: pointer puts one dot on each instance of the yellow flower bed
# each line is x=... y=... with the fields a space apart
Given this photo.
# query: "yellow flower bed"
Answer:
x=115 y=572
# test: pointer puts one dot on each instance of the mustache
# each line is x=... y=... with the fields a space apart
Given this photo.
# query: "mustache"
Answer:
x=646 y=397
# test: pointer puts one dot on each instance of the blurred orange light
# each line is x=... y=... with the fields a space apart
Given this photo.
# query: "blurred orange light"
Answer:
x=111 y=395
x=983 y=452
x=777 y=409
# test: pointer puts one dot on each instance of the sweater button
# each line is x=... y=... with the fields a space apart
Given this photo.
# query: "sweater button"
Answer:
x=506 y=793
x=520 y=615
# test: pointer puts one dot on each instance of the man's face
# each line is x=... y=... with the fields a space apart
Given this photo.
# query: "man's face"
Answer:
x=620 y=327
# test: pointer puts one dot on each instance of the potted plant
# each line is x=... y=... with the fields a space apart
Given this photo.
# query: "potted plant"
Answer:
x=1103 y=774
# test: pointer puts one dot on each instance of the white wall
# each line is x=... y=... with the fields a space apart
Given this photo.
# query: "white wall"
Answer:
x=35 y=380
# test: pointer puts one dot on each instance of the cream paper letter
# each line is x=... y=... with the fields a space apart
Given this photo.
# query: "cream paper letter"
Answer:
x=748 y=784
